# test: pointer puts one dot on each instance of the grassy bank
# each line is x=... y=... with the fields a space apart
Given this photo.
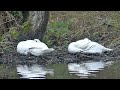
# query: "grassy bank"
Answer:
x=67 y=26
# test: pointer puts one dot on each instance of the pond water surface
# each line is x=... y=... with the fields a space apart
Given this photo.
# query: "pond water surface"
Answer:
x=82 y=70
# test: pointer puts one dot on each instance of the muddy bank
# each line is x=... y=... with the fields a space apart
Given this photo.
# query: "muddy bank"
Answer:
x=60 y=55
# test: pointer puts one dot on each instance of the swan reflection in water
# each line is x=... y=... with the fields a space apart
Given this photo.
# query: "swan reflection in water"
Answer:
x=33 y=71
x=85 y=69
x=82 y=70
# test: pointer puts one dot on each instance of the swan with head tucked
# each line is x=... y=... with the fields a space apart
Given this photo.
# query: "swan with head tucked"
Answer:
x=34 y=47
x=78 y=46
x=23 y=46
x=39 y=49
x=87 y=46
x=94 y=47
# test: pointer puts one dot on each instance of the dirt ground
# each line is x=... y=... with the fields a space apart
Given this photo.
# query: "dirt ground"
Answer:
x=60 y=55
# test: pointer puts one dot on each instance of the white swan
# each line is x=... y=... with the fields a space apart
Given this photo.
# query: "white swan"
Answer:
x=34 y=47
x=38 y=51
x=94 y=47
x=78 y=46
x=23 y=46
x=87 y=46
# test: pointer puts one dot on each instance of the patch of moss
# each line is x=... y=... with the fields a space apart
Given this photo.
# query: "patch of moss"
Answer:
x=13 y=32
x=26 y=26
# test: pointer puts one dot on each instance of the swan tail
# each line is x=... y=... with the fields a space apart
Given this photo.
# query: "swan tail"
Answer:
x=108 y=49
x=48 y=50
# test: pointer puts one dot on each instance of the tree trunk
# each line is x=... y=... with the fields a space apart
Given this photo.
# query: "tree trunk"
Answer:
x=39 y=21
x=25 y=15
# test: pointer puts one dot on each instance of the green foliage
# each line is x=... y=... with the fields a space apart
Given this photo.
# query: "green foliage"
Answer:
x=26 y=26
x=13 y=32
x=57 y=33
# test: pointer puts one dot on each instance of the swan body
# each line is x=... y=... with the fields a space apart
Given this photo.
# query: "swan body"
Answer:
x=40 y=51
x=87 y=46
x=78 y=46
x=34 y=47
x=23 y=46
x=94 y=47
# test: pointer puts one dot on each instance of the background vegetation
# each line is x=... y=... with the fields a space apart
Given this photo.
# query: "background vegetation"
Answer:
x=67 y=26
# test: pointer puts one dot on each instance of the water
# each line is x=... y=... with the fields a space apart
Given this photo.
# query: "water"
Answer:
x=82 y=70
x=33 y=71
x=86 y=69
